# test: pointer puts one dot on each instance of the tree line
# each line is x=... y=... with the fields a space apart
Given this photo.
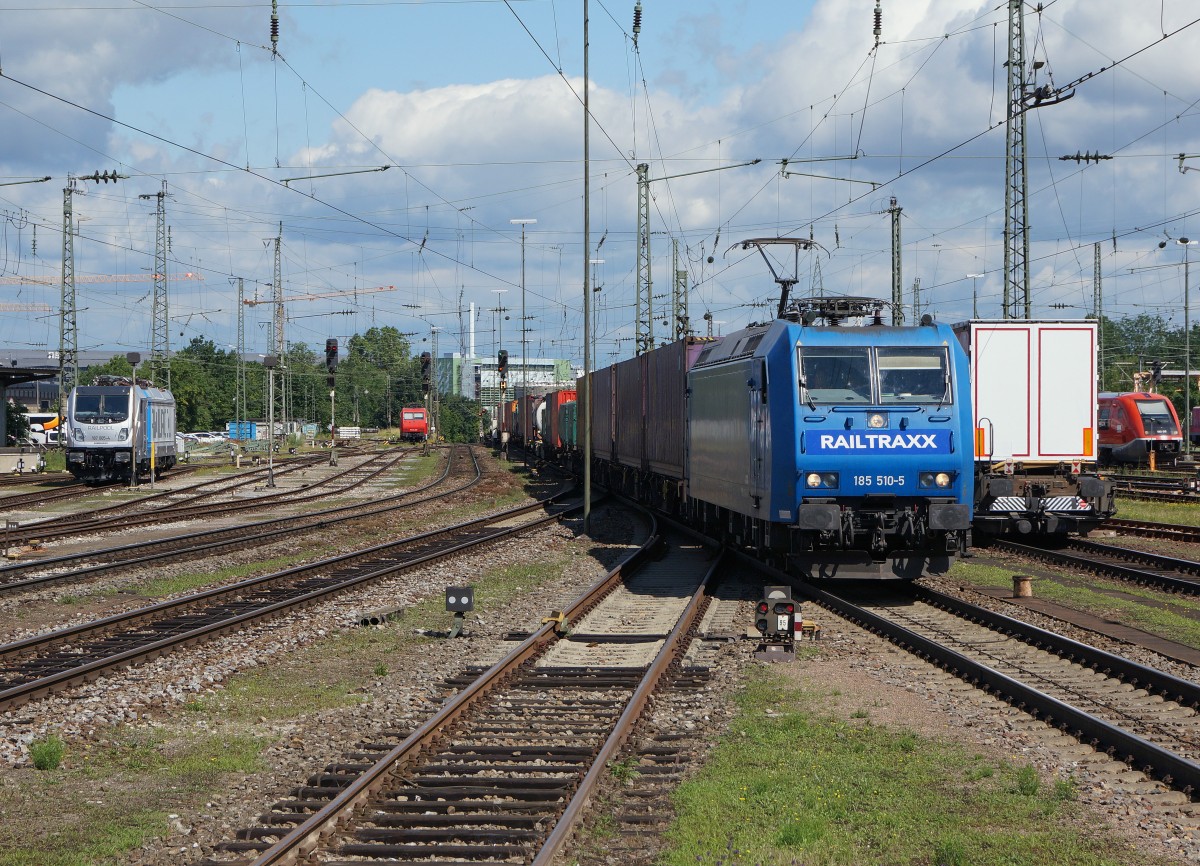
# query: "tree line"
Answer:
x=377 y=375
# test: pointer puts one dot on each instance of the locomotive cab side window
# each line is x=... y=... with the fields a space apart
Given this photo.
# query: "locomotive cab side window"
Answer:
x=914 y=375
x=835 y=375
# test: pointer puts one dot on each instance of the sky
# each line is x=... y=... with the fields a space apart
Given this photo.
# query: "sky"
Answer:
x=390 y=144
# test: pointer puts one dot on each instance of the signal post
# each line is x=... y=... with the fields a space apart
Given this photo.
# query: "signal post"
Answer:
x=331 y=360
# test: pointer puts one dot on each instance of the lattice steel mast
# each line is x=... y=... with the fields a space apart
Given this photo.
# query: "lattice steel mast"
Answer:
x=68 y=338
x=160 y=326
x=1016 y=184
x=644 y=330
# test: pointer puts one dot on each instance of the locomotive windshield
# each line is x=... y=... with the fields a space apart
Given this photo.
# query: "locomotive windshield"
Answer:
x=1157 y=418
x=914 y=375
x=903 y=374
x=102 y=406
x=836 y=375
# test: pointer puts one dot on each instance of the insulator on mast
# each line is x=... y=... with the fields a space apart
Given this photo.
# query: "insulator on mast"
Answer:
x=274 y=26
x=637 y=21
x=878 y=22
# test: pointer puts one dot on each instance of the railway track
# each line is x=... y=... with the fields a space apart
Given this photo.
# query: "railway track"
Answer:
x=503 y=771
x=1121 y=712
x=73 y=568
x=1147 y=529
x=1124 y=563
x=49 y=662
x=65 y=489
x=195 y=501
x=1158 y=487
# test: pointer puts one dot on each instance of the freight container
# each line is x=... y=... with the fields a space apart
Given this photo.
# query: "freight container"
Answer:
x=1033 y=392
x=602 y=403
x=666 y=405
x=629 y=421
x=552 y=437
x=1033 y=386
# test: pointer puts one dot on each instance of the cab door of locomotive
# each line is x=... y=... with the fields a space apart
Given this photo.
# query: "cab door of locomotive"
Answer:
x=759 y=436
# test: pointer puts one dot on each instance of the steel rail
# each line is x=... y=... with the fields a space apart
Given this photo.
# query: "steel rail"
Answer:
x=1171 y=769
x=71 y=525
x=214 y=539
x=41 y=641
x=1113 y=569
x=301 y=840
x=566 y=823
x=1174 y=531
x=1141 y=676
x=74 y=524
x=42 y=686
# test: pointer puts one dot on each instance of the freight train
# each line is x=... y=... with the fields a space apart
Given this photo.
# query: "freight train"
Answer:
x=117 y=430
x=848 y=452
x=1139 y=428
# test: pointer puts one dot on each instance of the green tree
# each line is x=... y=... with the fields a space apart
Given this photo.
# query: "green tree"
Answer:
x=117 y=365
x=16 y=427
x=375 y=377
x=459 y=418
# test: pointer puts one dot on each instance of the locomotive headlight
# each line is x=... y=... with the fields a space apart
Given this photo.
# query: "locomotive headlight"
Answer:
x=877 y=421
x=813 y=480
x=78 y=434
x=821 y=479
x=123 y=434
x=935 y=479
x=942 y=479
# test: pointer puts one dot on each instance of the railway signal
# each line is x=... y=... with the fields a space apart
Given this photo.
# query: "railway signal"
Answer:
x=426 y=372
x=775 y=619
x=331 y=355
x=459 y=600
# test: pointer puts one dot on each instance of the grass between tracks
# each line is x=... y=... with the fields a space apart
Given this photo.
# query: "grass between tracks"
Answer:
x=106 y=799
x=1159 y=512
x=793 y=784
x=1171 y=616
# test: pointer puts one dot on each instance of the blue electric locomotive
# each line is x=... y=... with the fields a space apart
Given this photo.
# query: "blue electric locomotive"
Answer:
x=838 y=452
x=846 y=451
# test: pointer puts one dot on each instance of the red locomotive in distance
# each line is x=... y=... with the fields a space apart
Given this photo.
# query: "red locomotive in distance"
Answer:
x=1138 y=427
x=414 y=424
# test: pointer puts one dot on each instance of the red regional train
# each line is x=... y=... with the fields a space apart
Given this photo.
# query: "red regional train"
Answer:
x=1138 y=427
x=414 y=424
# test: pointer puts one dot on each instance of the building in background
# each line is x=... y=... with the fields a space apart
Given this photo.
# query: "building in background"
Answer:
x=479 y=378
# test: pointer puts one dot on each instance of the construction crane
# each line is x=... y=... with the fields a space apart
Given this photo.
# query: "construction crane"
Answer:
x=95 y=278
x=254 y=302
